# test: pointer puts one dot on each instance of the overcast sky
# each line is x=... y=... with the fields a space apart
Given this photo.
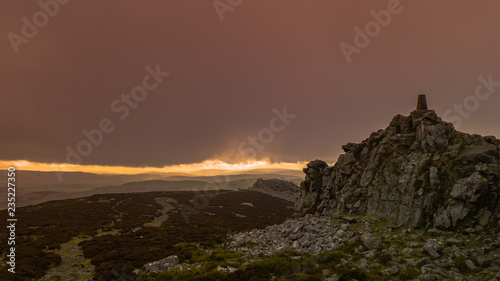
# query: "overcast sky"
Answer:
x=227 y=76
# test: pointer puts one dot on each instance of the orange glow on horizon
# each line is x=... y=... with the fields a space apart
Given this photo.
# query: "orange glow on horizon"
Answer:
x=207 y=167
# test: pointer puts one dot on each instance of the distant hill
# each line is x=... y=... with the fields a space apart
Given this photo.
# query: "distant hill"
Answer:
x=37 y=187
x=286 y=190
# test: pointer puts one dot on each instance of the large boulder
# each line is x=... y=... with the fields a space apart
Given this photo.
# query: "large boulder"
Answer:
x=167 y=263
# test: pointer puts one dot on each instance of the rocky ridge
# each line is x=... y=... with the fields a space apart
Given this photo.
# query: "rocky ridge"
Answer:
x=286 y=190
x=415 y=201
x=419 y=171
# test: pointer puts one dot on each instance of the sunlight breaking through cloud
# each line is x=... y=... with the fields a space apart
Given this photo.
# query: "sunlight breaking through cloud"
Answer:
x=206 y=167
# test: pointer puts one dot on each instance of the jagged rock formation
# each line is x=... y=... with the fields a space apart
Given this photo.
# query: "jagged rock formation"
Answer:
x=419 y=171
x=311 y=186
x=286 y=190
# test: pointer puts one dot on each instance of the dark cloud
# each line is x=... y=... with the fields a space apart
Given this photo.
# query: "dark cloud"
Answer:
x=226 y=77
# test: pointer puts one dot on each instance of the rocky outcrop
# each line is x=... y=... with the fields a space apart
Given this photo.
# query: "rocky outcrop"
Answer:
x=419 y=171
x=286 y=190
x=312 y=185
x=167 y=263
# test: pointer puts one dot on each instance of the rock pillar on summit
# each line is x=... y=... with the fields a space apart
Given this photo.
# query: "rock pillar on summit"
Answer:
x=422 y=103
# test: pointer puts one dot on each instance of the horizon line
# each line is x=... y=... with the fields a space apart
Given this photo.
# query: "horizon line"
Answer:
x=205 y=167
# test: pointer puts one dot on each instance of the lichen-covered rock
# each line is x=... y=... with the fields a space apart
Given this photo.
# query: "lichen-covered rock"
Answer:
x=167 y=263
x=433 y=248
x=419 y=171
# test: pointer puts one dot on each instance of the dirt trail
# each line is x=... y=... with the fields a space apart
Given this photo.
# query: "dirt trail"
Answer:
x=168 y=205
